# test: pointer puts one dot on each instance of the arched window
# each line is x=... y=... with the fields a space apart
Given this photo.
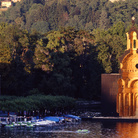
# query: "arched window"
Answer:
x=134 y=43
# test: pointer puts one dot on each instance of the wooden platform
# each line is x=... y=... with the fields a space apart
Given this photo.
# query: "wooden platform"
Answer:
x=117 y=119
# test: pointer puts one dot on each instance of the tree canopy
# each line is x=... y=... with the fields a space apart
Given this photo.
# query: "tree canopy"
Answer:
x=85 y=14
x=62 y=47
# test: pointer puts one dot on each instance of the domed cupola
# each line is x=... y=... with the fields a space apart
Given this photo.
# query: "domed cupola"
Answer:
x=129 y=63
x=127 y=97
x=132 y=37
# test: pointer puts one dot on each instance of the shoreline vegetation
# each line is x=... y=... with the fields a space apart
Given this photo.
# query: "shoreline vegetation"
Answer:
x=37 y=105
x=45 y=105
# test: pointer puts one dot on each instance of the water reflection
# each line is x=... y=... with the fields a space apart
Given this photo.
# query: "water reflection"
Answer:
x=127 y=130
x=119 y=130
x=97 y=130
x=108 y=129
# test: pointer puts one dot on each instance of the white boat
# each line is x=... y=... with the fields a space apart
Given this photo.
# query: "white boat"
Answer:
x=23 y=124
x=30 y=125
x=44 y=123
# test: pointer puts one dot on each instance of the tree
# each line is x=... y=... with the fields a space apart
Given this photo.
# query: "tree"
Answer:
x=41 y=26
x=103 y=21
x=15 y=59
x=41 y=56
x=110 y=47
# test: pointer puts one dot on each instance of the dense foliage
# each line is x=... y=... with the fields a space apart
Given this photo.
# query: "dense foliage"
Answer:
x=64 y=62
x=35 y=103
x=57 y=63
x=37 y=56
x=48 y=15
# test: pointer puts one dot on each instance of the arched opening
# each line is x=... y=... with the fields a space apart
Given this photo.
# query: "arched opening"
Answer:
x=133 y=83
x=134 y=87
x=127 y=104
x=134 y=43
x=136 y=114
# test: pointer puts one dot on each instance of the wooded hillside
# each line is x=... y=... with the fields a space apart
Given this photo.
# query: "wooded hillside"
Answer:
x=38 y=56
x=46 y=15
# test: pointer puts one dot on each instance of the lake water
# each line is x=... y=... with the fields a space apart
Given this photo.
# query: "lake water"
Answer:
x=97 y=130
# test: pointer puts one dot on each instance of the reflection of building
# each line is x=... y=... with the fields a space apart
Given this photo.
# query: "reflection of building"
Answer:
x=127 y=130
x=127 y=97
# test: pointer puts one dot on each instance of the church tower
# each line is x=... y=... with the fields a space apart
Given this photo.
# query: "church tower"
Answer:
x=127 y=96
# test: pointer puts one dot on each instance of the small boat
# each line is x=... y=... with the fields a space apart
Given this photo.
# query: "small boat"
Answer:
x=30 y=125
x=44 y=123
x=68 y=119
x=15 y=124
x=82 y=131
x=23 y=124
x=53 y=118
x=3 y=124
x=72 y=117
x=10 y=125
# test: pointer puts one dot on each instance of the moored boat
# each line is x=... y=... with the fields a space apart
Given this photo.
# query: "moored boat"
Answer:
x=82 y=131
x=10 y=125
x=70 y=118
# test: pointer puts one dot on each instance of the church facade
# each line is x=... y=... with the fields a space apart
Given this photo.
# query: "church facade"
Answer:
x=120 y=91
x=127 y=96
